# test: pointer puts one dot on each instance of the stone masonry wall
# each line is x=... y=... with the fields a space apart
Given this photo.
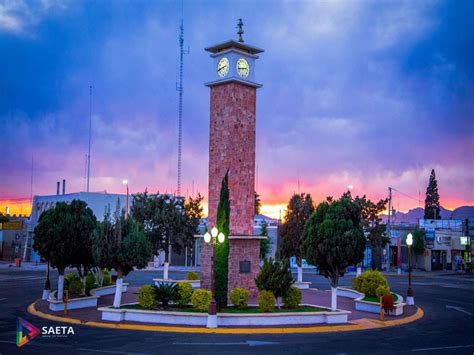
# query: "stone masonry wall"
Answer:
x=244 y=250
x=231 y=146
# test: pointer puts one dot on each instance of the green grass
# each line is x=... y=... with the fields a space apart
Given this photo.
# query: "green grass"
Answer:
x=250 y=310
x=377 y=300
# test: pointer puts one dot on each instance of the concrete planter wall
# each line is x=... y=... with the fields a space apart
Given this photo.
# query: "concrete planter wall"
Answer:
x=107 y=290
x=224 y=319
x=82 y=302
x=349 y=292
x=194 y=283
x=374 y=307
x=302 y=285
x=72 y=303
x=371 y=307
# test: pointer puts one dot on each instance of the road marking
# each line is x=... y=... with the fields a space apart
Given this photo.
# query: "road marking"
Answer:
x=458 y=309
x=2 y=299
x=351 y=326
x=248 y=342
x=446 y=299
x=445 y=347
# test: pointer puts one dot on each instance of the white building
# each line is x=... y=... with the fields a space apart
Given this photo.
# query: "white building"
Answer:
x=98 y=202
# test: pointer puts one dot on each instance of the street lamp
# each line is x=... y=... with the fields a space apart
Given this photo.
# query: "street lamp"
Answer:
x=125 y=182
x=410 y=298
x=214 y=237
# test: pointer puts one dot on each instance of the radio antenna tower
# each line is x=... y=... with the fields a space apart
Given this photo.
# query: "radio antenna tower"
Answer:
x=90 y=133
x=179 y=88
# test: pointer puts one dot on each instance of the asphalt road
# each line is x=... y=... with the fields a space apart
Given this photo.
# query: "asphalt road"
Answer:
x=447 y=327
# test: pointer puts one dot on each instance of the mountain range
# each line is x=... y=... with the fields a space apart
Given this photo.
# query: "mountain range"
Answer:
x=413 y=215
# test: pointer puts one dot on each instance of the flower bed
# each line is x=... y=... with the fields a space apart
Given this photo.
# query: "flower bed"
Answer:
x=305 y=315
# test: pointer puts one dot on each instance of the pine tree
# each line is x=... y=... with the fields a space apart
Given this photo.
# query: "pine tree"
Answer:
x=264 y=243
x=222 y=250
x=432 y=208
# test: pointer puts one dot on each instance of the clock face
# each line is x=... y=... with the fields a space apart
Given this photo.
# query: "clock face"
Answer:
x=243 y=67
x=223 y=67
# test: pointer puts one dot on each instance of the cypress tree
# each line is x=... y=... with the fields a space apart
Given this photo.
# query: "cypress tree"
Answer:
x=222 y=250
x=432 y=209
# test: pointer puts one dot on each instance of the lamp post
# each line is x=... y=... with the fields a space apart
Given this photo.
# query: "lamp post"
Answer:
x=214 y=237
x=410 y=298
x=125 y=182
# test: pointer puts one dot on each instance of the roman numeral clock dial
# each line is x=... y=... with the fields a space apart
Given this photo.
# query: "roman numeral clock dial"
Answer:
x=243 y=67
x=223 y=67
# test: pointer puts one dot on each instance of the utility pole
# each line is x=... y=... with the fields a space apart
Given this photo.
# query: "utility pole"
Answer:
x=90 y=133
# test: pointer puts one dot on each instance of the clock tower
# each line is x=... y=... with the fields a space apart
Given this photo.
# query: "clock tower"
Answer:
x=233 y=92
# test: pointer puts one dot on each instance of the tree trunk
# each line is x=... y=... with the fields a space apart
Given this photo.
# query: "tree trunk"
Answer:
x=300 y=274
x=61 y=285
x=166 y=264
x=359 y=270
x=118 y=288
x=47 y=285
x=333 y=298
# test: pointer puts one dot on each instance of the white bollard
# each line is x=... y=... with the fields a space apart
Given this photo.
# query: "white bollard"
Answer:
x=211 y=321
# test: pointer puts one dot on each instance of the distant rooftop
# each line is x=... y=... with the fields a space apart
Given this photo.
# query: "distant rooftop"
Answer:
x=233 y=44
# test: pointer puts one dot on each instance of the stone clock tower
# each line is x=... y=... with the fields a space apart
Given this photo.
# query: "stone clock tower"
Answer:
x=232 y=146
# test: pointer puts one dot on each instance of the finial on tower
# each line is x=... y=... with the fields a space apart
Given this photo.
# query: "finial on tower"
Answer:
x=240 y=32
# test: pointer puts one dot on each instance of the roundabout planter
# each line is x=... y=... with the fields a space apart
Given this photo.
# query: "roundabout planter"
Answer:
x=367 y=306
x=224 y=319
x=194 y=283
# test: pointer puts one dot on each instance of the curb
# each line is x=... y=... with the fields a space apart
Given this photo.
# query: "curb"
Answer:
x=359 y=324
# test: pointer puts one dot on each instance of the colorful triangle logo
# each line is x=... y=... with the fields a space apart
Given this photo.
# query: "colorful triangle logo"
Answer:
x=25 y=331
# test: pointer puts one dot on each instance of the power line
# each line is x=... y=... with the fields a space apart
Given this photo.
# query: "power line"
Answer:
x=406 y=195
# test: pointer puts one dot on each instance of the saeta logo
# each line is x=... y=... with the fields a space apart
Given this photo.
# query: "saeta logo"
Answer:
x=25 y=332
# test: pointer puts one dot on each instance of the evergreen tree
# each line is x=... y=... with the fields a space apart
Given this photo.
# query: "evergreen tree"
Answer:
x=222 y=249
x=64 y=236
x=121 y=244
x=298 y=211
x=372 y=226
x=432 y=208
x=334 y=239
x=264 y=243
x=258 y=203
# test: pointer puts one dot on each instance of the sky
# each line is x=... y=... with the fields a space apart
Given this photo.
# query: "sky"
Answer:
x=370 y=94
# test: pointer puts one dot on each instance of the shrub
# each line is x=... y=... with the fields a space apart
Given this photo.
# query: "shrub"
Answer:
x=266 y=301
x=292 y=298
x=192 y=275
x=90 y=282
x=239 y=297
x=185 y=292
x=73 y=284
x=201 y=299
x=369 y=281
x=146 y=297
x=165 y=293
x=107 y=279
x=275 y=276
x=382 y=291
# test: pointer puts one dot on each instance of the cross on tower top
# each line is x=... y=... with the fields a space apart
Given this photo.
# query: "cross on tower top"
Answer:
x=240 y=32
